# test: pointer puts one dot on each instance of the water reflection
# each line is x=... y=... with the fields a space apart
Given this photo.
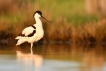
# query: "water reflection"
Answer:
x=92 y=62
x=54 y=58
x=94 y=59
x=91 y=57
x=29 y=61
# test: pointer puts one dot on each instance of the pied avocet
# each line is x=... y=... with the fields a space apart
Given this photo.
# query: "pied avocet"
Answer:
x=32 y=33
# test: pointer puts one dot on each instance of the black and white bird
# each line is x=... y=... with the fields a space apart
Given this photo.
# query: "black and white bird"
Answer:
x=32 y=33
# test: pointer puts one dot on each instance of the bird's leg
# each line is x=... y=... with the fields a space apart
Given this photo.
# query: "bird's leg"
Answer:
x=31 y=52
x=31 y=45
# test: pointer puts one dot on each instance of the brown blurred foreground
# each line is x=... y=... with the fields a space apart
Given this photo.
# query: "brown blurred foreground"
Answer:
x=91 y=32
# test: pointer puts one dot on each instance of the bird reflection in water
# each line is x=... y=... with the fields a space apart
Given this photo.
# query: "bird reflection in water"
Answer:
x=29 y=61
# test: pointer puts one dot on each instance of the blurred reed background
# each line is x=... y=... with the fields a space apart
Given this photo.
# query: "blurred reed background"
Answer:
x=73 y=20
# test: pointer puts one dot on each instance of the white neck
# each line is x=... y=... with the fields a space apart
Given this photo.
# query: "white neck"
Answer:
x=38 y=22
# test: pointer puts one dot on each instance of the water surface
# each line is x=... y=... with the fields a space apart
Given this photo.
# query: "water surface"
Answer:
x=53 y=58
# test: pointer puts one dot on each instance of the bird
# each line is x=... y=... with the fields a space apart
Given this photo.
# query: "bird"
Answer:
x=32 y=33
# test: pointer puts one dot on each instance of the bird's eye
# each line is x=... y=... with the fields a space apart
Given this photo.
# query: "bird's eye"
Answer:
x=40 y=13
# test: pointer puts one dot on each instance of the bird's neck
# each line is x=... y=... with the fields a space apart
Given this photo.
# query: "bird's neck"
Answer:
x=38 y=22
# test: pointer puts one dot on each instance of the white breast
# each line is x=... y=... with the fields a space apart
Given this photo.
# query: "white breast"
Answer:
x=39 y=33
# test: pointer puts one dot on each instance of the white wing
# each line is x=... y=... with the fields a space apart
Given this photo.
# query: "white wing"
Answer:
x=27 y=30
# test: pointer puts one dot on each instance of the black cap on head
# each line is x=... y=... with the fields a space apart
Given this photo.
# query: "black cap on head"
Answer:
x=39 y=12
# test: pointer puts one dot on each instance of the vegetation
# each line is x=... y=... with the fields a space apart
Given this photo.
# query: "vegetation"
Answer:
x=70 y=21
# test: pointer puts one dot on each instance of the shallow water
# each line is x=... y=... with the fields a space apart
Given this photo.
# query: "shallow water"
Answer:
x=53 y=58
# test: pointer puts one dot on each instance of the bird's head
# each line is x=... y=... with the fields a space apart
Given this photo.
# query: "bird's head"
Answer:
x=39 y=14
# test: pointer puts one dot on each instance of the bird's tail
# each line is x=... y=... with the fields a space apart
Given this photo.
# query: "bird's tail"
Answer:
x=21 y=40
x=19 y=37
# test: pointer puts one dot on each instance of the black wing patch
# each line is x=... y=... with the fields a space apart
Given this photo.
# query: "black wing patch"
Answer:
x=30 y=35
x=34 y=31
x=33 y=27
